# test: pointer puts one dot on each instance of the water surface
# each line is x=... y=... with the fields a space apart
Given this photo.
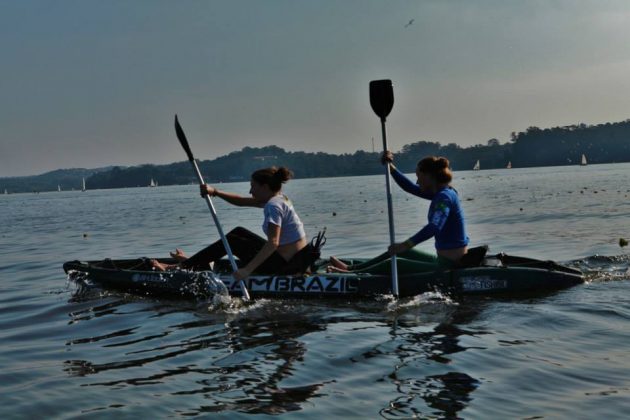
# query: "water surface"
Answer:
x=69 y=352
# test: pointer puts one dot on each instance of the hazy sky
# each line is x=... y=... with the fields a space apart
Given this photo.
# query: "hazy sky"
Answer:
x=90 y=83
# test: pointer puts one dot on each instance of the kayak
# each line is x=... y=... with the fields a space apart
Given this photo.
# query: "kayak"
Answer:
x=496 y=274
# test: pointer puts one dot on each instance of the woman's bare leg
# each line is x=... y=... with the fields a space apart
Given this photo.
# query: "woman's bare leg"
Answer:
x=162 y=266
x=333 y=269
x=337 y=263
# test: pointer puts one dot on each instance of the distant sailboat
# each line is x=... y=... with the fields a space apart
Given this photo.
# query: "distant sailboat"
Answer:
x=153 y=183
x=58 y=187
x=583 y=162
x=509 y=165
x=5 y=191
x=83 y=186
x=477 y=166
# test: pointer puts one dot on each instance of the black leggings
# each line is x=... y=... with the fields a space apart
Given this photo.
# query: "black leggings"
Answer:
x=245 y=245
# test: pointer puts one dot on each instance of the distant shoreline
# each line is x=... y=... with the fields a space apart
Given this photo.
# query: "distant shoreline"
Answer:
x=535 y=147
x=467 y=172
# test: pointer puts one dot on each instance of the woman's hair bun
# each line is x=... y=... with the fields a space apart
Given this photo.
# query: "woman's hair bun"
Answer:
x=273 y=176
x=283 y=174
x=436 y=166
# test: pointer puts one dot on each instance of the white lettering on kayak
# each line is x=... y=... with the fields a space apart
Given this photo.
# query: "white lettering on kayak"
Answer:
x=475 y=283
x=281 y=284
x=151 y=278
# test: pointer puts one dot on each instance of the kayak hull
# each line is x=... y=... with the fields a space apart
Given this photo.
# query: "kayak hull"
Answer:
x=500 y=274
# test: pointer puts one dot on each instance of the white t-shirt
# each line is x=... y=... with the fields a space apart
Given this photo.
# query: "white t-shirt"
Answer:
x=279 y=211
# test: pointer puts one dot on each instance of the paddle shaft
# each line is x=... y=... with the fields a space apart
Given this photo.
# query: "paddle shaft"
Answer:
x=184 y=142
x=390 y=212
x=226 y=244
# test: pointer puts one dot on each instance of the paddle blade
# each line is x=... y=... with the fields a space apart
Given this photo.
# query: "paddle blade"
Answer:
x=382 y=97
x=182 y=139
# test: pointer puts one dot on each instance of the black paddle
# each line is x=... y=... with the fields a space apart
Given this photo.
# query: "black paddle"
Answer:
x=382 y=102
x=382 y=97
x=182 y=139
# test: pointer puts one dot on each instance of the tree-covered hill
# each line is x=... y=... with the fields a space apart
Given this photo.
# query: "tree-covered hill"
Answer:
x=603 y=143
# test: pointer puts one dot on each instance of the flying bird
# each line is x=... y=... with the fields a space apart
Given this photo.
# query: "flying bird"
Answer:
x=409 y=23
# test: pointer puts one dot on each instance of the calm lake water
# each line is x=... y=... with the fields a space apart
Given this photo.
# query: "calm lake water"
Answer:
x=70 y=353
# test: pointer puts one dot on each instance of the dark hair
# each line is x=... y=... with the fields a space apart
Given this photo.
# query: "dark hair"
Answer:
x=274 y=177
x=436 y=166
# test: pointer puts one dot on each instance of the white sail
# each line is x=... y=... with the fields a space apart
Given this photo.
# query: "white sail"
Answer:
x=83 y=186
x=152 y=183
x=583 y=162
x=58 y=187
x=5 y=191
x=477 y=166
x=509 y=165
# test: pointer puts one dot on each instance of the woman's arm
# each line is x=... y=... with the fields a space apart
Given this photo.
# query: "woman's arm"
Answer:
x=231 y=198
x=273 y=242
x=437 y=219
x=406 y=184
x=423 y=234
x=403 y=182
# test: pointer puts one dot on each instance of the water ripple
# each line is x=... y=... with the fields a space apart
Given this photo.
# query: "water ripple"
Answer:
x=72 y=351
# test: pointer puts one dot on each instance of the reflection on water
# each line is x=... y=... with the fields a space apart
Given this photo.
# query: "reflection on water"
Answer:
x=442 y=395
x=249 y=384
x=446 y=394
x=259 y=358
x=254 y=386
x=242 y=361
x=74 y=352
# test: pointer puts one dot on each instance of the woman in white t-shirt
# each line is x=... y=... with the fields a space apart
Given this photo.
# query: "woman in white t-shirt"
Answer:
x=285 y=250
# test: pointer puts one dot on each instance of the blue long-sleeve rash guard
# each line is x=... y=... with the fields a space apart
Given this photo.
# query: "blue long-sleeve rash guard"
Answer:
x=446 y=216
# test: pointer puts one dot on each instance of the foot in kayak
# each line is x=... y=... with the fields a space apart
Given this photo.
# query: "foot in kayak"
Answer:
x=337 y=263
x=179 y=255
x=155 y=264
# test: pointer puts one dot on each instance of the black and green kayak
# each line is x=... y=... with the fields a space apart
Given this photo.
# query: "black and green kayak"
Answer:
x=496 y=274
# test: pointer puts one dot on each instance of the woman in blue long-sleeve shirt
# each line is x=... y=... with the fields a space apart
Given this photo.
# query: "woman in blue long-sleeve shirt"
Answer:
x=445 y=220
